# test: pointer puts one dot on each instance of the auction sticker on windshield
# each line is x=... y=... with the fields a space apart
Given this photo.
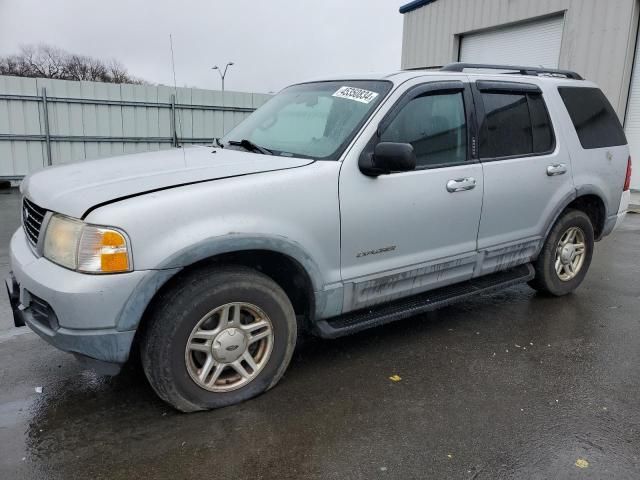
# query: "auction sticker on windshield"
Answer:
x=357 y=94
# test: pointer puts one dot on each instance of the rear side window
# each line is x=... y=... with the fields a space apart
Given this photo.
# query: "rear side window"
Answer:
x=593 y=117
x=515 y=124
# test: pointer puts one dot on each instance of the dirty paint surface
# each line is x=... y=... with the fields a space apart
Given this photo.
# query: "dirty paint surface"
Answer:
x=509 y=385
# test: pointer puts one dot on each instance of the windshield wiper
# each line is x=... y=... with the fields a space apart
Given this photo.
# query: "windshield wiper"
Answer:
x=249 y=145
x=219 y=143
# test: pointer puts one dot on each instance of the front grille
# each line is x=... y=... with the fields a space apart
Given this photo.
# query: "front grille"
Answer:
x=32 y=218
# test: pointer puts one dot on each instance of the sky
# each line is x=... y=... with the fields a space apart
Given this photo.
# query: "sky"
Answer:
x=273 y=43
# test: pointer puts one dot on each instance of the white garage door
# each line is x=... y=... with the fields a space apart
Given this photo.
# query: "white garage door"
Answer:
x=632 y=123
x=534 y=44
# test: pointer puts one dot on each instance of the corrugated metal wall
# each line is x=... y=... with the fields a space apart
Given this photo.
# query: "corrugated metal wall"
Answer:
x=598 y=39
x=92 y=120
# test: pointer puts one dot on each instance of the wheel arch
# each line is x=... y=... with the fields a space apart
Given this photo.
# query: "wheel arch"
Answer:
x=283 y=269
x=285 y=262
x=589 y=200
x=594 y=207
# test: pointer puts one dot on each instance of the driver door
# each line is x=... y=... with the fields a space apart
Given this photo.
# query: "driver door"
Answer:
x=404 y=233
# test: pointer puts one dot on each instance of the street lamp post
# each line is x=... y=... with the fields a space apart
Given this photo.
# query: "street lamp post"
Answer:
x=222 y=74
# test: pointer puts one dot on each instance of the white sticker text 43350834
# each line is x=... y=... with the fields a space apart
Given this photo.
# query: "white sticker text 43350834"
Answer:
x=357 y=94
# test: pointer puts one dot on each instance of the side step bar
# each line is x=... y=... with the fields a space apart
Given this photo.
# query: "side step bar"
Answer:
x=407 y=307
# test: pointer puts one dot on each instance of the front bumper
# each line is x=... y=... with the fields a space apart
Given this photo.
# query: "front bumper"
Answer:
x=103 y=350
x=74 y=312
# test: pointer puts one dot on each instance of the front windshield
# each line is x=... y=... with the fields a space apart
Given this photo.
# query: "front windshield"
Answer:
x=313 y=120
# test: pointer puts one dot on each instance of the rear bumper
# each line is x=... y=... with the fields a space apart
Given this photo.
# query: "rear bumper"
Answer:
x=614 y=221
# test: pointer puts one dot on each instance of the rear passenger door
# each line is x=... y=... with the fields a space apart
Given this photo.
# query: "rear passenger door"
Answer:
x=526 y=171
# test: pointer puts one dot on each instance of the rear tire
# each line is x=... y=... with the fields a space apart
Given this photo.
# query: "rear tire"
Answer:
x=219 y=337
x=566 y=255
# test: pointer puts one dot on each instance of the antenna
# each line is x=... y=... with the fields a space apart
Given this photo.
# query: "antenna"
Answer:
x=175 y=88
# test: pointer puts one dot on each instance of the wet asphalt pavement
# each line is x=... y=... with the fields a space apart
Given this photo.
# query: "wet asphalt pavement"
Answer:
x=510 y=385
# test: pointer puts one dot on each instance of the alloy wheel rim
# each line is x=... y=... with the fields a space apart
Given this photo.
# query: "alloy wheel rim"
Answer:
x=570 y=254
x=229 y=347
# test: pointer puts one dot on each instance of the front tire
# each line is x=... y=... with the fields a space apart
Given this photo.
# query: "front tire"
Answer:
x=219 y=337
x=566 y=255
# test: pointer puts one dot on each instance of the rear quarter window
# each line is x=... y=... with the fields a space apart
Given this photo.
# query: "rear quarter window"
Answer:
x=593 y=117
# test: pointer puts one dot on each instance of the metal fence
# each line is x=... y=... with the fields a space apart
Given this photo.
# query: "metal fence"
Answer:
x=50 y=122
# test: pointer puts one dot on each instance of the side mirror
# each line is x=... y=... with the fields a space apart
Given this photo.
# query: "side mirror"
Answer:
x=388 y=157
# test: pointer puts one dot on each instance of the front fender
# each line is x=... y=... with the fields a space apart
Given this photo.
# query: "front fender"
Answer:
x=326 y=299
x=236 y=242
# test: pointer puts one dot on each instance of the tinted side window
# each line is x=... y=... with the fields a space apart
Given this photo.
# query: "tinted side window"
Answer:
x=593 y=117
x=515 y=124
x=541 y=125
x=436 y=127
x=507 y=129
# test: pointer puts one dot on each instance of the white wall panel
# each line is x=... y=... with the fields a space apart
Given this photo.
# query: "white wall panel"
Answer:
x=632 y=123
x=534 y=43
x=20 y=118
x=83 y=120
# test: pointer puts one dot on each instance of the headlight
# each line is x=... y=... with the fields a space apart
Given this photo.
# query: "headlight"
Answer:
x=86 y=248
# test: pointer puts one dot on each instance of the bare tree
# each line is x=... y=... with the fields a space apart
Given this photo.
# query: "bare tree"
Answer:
x=75 y=68
x=44 y=61
x=117 y=71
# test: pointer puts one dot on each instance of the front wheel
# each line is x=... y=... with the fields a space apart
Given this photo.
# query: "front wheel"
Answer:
x=217 y=338
x=566 y=255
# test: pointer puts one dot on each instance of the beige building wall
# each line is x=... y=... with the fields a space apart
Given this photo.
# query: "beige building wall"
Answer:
x=598 y=40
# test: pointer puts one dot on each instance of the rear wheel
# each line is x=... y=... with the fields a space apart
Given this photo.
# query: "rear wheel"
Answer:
x=566 y=255
x=218 y=338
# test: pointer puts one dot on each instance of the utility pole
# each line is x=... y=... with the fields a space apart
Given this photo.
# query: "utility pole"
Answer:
x=222 y=74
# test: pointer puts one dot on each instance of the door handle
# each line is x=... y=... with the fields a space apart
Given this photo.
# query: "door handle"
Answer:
x=461 y=184
x=556 y=169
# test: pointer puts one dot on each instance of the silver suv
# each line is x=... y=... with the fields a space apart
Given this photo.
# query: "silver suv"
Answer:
x=337 y=206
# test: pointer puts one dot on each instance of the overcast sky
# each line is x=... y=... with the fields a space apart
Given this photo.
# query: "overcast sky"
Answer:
x=272 y=42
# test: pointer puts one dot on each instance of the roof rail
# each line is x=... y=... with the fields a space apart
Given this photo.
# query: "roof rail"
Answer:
x=535 y=71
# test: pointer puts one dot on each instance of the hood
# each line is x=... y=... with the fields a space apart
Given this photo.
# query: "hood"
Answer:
x=76 y=188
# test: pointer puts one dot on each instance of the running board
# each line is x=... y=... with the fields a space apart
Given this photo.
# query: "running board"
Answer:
x=424 y=302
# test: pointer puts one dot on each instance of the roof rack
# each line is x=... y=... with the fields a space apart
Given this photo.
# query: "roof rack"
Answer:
x=535 y=71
